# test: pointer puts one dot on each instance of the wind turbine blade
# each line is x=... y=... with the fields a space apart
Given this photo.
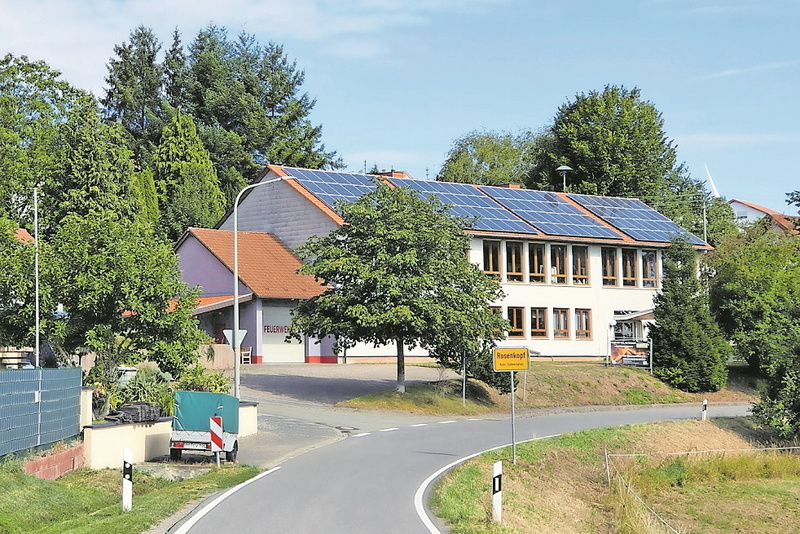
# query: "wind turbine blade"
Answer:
x=711 y=182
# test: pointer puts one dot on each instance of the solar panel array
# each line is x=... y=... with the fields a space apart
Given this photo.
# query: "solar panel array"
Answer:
x=550 y=213
x=501 y=209
x=330 y=186
x=635 y=218
x=467 y=201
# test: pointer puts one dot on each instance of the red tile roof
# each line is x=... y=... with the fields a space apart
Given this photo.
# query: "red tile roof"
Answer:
x=757 y=207
x=266 y=265
x=23 y=236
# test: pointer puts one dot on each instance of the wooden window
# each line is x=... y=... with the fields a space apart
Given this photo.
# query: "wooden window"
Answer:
x=583 y=324
x=628 y=267
x=649 y=271
x=516 y=318
x=609 y=256
x=537 y=263
x=560 y=323
x=558 y=264
x=538 y=322
x=580 y=265
x=514 y=261
x=491 y=258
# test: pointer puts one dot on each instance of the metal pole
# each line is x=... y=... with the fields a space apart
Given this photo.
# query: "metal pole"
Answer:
x=513 y=422
x=464 y=380
x=36 y=269
x=235 y=334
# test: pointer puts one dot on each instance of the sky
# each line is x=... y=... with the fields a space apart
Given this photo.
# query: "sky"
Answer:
x=396 y=82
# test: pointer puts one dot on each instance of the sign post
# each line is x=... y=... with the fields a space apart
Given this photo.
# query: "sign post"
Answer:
x=497 y=492
x=216 y=436
x=508 y=359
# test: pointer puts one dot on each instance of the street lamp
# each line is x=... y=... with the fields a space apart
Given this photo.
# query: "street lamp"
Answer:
x=235 y=341
x=563 y=170
x=36 y=269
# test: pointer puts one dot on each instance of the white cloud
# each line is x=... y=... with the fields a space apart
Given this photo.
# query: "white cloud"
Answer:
x=750 y=70
x=716 y=141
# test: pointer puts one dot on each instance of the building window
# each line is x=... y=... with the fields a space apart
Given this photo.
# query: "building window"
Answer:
x=583 y=324
x=538 y=322
x=649 y=271
x=537 y=263
x=516 y=318
x=558 y=264
x=580 y=265
x=560 y=323
x=514 y=261
x=628 y=267
x=609 y=256
x=491 y=258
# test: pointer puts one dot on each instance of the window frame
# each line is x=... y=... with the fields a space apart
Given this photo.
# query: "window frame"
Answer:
x=516 y=320
x=491 y=257
x=610 y=274
x=583 y=323
x=514 y=260
x=652 y=280
x=538 y=315
x=558 y=269
x=537 y=262
x=629 y=267
x=560 y=314
x=578 y=261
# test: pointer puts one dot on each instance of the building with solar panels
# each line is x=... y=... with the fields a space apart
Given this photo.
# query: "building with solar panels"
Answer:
x=579 y=271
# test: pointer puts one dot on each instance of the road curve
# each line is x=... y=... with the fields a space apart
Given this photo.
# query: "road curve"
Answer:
x=367 y=483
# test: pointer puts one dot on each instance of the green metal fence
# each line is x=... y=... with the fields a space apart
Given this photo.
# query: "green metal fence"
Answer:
x=38 y=407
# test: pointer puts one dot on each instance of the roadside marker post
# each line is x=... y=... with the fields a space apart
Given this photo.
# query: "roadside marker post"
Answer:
x=705 y=410
x=127 y=481
x=216 y=436
x=497 y=492
x=510 y=359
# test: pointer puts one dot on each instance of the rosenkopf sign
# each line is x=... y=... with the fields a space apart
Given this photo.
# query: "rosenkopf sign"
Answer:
x=511 y=359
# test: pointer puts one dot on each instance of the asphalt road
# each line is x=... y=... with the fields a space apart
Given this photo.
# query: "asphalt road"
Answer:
x=367 y=482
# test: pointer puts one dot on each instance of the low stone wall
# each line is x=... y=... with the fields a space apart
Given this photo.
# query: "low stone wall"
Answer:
x=54 y=465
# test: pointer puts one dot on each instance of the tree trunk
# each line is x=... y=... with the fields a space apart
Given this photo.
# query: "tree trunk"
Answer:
x=401 y=367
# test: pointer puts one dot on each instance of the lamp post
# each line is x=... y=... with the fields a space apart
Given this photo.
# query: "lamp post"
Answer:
x=563 y=170
x=235 y=341
x=36 y=267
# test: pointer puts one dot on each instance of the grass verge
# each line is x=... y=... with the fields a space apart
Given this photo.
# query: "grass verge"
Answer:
x=551 y=385
x=560 y=485
x=89 y=501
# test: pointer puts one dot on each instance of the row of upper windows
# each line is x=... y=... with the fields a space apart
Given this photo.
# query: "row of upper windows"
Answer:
x=541 y=263
x=560 y=325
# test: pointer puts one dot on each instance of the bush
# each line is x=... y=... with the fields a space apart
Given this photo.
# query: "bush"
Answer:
x=198 y=378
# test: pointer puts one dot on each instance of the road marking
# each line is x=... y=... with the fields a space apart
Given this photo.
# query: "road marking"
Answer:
x=210 y=506
x=389 y=429
x=420 y=424
x=361 y=435
x=446 y=422
x=420 y=507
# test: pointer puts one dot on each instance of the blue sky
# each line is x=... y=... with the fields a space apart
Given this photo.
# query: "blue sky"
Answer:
x=397 y=81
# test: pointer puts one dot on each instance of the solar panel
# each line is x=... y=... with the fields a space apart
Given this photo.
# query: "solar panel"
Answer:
x=330 y=186
x=467 y=201
x=635 y=218
x=550 y=213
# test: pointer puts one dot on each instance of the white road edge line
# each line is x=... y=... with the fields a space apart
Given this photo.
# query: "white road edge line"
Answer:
x=423 y=515
x=389 y=429
x=210 y=506
x=446 y=422
x=361 y=435
x=420 y=424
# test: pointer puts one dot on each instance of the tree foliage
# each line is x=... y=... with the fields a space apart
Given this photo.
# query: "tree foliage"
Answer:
x=185 y=180
x=396 y=272
x=755 y=293
x=16 y=286
x=489 y=158
x=689 y=351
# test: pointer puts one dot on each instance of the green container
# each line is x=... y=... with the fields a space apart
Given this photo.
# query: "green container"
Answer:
x=194 y=409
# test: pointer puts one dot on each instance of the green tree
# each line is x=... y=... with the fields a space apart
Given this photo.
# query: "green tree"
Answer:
x=122 y=291
x=396 y=272
x=488 y=158
x=755 y=293
x=94 y=171
x=34 y=101
x=689 y=351
x=185 y=180
x=134 y=93
x=16 y=287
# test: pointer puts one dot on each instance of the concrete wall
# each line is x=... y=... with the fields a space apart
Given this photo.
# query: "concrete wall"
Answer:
x=104 y=444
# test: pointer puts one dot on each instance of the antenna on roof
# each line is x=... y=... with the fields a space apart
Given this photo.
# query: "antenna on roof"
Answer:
x=711 y=182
